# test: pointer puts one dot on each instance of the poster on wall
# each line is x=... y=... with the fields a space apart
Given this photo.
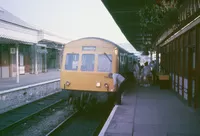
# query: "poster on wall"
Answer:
x=21 y=59
x=21 y=64
x=185 y=88
x=180 y=85
x=176 y=83
x=193 y=88
x=21 y=70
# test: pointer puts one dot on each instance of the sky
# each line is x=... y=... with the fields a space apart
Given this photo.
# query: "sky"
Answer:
x=71 y=19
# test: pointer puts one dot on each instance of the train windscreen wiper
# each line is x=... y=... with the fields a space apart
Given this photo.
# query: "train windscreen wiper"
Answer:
x=107 y=57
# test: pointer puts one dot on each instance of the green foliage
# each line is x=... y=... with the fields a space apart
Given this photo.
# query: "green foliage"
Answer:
x=156 y=15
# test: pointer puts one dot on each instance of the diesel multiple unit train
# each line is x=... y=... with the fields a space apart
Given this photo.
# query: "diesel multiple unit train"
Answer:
x=86 y=63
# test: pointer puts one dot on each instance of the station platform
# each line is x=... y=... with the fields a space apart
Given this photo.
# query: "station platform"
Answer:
x=149 y=111
x=10 y=83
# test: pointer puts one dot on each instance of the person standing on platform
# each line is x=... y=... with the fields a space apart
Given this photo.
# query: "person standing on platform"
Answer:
x=119 y=83
x=136 y=72
x=153 y=71
x=146 y=74
x=141 y=75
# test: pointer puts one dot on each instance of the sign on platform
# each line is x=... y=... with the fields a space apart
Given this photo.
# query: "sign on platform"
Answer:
x=12 y=50
x=21 y=70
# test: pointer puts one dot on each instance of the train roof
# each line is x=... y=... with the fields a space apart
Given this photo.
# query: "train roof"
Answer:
x=103 y=40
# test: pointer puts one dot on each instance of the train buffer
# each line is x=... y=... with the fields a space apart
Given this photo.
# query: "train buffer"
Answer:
x=149 y=111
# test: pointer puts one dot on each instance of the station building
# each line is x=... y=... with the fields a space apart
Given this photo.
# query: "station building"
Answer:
x=34 y=50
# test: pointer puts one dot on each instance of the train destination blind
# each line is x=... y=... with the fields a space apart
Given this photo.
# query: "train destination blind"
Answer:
x=88 y=48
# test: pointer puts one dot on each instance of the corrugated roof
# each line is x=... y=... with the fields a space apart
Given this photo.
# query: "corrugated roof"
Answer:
x=9 y=17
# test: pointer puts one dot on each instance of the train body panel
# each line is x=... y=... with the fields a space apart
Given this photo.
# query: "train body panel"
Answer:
x=85 y=81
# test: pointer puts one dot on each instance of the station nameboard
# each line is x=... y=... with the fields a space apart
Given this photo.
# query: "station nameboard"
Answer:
x=88 y=48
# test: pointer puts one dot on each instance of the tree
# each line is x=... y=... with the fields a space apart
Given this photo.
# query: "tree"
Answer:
x=156 y=16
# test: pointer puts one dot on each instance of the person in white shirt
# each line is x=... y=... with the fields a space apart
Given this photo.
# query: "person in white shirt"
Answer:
x=146 y=73
x=119 y=85
x=153 y=71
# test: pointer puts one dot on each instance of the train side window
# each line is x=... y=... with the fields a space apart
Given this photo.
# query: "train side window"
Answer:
x=87 y=62
x=72 y=61
x=104 y=63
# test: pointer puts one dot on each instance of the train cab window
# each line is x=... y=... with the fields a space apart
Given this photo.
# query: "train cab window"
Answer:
x=72 y=61
x=88 y=62
x=104 y=63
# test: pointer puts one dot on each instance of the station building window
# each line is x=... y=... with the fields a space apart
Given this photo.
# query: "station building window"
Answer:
x=104 y=63
x=88 y=62
x=72 y=61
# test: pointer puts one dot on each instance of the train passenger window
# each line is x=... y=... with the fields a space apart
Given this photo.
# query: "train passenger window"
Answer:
x=72 y=61
x=87 y=62
x=104 y=63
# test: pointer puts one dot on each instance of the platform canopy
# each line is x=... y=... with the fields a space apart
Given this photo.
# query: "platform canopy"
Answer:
x=143 y=37
x=125 y=14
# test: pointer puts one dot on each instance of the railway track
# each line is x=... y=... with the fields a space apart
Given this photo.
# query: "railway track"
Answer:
x=6 y=130
x=16 y=114
x=58 y=118
x=82 y=123
x=18 y=118
x=62 y=124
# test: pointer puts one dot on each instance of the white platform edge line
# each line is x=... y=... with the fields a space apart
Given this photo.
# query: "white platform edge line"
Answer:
x=28 y=86
x=103 y=130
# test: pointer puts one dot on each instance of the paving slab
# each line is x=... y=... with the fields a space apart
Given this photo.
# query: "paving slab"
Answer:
x=160 y=112
x=149 y=111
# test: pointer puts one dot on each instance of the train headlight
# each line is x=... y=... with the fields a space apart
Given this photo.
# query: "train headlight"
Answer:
x=67 y=83
x=106 y=85
x=98 y=84
x=112 y=90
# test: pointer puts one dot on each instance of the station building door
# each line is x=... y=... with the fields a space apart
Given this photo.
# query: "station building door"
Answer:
x=193 y=68
x=5 y=63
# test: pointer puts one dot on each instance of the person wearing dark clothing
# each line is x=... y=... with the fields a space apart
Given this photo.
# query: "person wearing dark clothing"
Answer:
x=154 y=72
x=119 y=85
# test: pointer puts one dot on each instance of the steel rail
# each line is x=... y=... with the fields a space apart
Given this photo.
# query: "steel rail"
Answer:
x=59 y=126
x=30 y=116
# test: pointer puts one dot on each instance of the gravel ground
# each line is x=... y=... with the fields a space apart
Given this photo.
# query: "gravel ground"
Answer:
x=85 y=124
x=12 y=116
x=45 y=122
x=45 y=125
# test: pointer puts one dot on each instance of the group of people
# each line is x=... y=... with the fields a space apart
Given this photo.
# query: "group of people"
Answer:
x=145 y=75
x=142 y=74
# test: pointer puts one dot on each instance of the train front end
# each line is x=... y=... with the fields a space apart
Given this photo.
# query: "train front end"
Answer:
x=86 y=65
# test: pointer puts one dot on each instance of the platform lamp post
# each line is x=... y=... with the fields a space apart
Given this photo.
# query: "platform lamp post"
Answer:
x=17 y=63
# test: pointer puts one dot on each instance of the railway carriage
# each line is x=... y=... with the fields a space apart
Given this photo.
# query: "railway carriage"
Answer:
x=86 y=63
